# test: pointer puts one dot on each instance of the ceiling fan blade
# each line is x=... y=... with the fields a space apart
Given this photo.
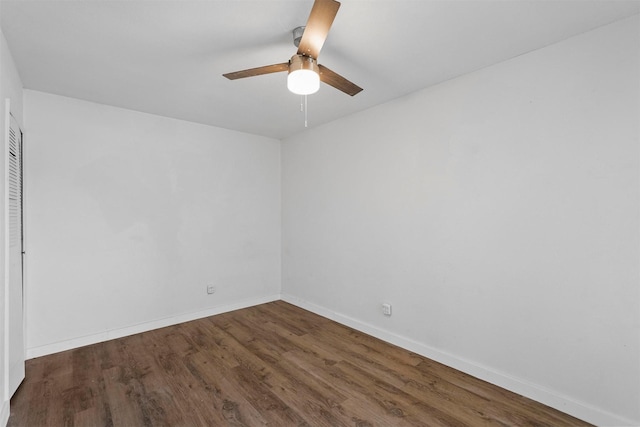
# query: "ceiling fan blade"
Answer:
x=336 y=80
x=320 y=19
x=267 y=69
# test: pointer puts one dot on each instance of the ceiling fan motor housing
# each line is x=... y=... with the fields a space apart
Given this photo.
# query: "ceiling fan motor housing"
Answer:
x=302 y=62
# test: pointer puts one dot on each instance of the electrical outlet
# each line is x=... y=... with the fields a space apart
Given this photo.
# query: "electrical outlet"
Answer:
x=386 y=309
x=211 y=289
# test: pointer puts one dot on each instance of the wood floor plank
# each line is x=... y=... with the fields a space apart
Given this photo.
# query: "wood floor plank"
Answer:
x=395 y=372
x=230 y=400
x=213 y=369
x=363 y=409
x=270 y=365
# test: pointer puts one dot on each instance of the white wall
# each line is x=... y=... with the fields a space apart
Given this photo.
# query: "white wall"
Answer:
x=498 y=212
x=10 y=88
x=130 y=216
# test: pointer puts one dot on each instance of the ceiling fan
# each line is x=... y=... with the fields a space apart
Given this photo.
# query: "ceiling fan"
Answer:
x=305 y=74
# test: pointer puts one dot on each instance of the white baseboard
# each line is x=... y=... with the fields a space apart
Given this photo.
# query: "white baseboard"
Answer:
x=4 y=413
x=144 y=327
x=538 y=393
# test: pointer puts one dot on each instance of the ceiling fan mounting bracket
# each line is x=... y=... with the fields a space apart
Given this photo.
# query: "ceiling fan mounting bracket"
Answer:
x=297 y=35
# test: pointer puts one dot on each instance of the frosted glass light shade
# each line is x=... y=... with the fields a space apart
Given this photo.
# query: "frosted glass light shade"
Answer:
x=304 y=77
x=303 y=82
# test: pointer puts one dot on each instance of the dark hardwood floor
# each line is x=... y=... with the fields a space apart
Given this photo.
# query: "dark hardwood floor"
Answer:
x=273 y=364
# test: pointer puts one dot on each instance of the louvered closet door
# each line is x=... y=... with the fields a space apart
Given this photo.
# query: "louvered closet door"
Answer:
x=15 y=298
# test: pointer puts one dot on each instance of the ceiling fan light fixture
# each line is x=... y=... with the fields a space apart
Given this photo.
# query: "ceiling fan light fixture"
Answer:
x=304 y=75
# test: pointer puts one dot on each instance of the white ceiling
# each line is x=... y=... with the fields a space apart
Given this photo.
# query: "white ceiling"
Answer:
x=167 y=57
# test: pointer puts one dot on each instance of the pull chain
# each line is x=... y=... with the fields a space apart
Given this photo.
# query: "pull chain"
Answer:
x=303 y=108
